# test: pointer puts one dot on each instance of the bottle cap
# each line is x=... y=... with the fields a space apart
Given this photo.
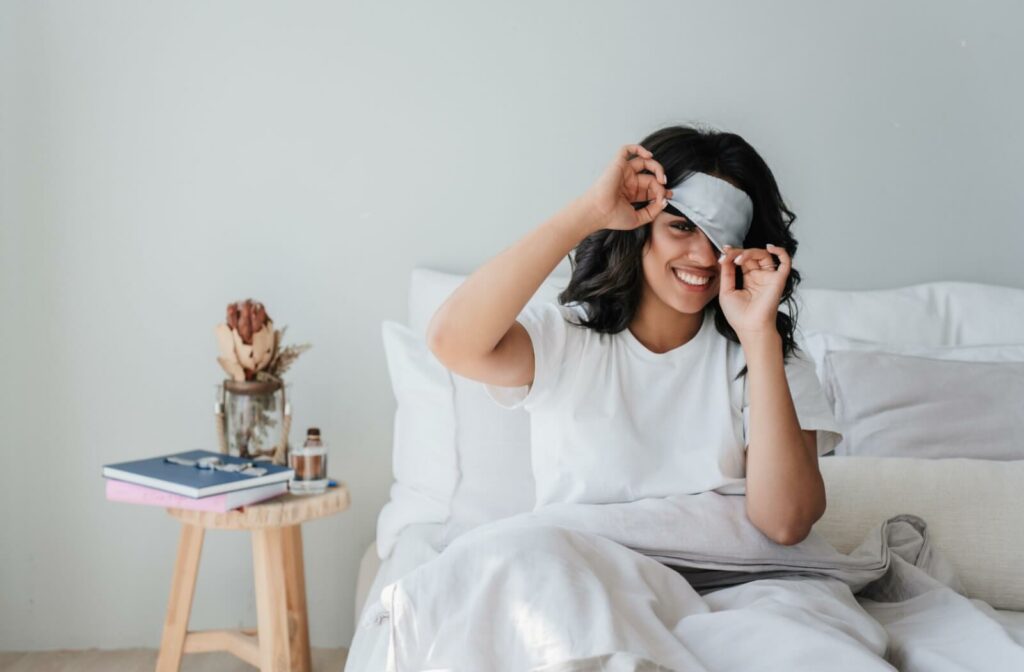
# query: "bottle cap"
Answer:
x=313 y=431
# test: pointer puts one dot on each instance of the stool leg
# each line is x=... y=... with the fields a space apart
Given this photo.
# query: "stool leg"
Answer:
x=183 y=585
x=271 y=599
x=295 y=581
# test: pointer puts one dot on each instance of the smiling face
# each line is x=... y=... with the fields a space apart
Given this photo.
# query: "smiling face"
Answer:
x=680 y=264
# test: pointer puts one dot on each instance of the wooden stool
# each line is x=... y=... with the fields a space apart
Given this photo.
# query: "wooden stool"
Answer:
x=281 y=640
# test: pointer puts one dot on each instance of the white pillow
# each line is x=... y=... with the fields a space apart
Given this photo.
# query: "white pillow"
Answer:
x=480 y=451
x=900 y=405
x=458 y=458
x=423 y=455
x=969 y=507
x=931 y=313
x=493 y=451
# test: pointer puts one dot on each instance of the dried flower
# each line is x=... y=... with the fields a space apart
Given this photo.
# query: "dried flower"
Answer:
x=248 y=345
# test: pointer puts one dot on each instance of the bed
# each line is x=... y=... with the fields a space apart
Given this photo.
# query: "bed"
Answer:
x=925 y=381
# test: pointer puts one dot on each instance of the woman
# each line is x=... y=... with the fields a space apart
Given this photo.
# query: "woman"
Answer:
x=667 y=367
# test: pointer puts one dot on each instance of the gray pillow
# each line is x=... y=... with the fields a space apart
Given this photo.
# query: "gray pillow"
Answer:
x=905 y=406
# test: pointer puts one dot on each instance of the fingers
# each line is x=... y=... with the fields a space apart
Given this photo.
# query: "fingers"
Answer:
x=645 y=188
x=785 y=262
x=643 y=180
x=639 y=163
x=753 y=259
x=641 y=158
x=728 y=272
x=756 y=258
x=626 y=152
x=656 y=202
x=646 y=214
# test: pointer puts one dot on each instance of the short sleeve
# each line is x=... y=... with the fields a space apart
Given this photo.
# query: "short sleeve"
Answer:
x=547 y=325
x=812 y=408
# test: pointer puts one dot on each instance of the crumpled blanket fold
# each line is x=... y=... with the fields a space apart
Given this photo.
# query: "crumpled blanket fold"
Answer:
x=712 y=543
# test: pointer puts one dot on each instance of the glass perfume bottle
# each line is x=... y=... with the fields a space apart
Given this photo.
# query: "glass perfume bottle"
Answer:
x=310 y=465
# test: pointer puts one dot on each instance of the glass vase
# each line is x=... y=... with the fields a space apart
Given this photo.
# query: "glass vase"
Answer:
x=254 y=417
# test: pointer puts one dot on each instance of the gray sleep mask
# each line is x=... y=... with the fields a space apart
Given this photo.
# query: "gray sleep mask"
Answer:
x=722 y=211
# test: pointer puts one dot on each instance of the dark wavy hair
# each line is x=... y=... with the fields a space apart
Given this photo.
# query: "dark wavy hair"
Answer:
x=607 y=270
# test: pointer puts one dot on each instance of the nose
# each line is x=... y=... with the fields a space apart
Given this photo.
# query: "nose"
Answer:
x=705 y=253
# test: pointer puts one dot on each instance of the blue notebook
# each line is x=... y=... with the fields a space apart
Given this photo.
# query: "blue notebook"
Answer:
x=193 y=481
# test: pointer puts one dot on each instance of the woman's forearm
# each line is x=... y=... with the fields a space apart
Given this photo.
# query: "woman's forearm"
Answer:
x=472 y=321
x=785 y=490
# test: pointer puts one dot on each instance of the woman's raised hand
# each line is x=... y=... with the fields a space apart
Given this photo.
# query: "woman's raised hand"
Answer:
x=610 y=199
x=751 y=311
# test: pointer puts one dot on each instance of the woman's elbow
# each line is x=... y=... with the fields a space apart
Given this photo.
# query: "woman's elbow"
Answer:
x=790 y=536
x=790 y=530
x=798 y=530
x=439 y=342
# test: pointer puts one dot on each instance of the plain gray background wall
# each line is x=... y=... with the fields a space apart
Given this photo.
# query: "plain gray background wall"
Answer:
x=159 y=160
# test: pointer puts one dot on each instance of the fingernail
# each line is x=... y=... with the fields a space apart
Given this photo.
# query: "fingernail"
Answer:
x=739 y=259
x=664 y=202
x=721 y=259
x=664 y=180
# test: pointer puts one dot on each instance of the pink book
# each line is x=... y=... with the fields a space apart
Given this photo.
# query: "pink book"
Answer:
x=122 y=491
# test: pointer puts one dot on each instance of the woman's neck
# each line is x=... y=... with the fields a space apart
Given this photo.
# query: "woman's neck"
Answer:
x=661 y=328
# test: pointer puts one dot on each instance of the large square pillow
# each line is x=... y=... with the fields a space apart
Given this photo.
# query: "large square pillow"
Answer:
x=458 y=458
x=492 y=444
x=901 y=405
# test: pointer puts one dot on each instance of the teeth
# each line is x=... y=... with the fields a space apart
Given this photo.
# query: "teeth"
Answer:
x=691 y=279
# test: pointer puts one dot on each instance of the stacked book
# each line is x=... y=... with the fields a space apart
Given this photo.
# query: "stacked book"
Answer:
x=196 y=479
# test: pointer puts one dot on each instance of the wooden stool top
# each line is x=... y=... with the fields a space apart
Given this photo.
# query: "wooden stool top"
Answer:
x=281 y=511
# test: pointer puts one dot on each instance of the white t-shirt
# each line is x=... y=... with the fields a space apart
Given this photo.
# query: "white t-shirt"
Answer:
x=612 y=421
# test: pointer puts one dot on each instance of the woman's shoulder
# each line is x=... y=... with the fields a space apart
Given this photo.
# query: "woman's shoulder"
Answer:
x=552 y=316
x=554 y=311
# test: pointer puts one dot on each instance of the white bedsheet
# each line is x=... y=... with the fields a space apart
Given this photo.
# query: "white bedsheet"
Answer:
x=512 y=601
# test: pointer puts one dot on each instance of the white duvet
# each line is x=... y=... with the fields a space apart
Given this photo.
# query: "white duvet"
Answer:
x=577 y=587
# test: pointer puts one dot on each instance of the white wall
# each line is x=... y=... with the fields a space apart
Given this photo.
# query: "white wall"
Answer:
x=159 y=160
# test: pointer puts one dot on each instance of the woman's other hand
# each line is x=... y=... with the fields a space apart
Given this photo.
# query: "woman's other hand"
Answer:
x=751 y=311
x=633 y=176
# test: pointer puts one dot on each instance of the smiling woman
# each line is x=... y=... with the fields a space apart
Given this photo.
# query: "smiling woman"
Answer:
x=661 y=372
x=666 y=367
